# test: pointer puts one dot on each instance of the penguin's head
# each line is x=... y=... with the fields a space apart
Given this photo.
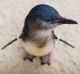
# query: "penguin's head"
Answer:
x=44 y=17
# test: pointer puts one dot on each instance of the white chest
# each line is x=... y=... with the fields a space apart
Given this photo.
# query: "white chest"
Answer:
x=32 y=49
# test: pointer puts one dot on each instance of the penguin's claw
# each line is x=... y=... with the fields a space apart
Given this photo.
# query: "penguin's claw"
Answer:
x=43 y=63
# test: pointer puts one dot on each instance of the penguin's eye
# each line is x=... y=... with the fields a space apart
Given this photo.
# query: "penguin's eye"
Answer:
x=47 y=19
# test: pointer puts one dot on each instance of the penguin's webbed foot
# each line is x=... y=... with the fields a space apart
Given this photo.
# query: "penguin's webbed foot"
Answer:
x=46 y=59
x=29 y=57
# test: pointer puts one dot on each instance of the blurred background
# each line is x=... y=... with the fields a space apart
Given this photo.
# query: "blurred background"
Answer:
x=66 y=60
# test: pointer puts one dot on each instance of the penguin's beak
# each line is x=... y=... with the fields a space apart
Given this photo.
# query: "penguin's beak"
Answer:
x=66 y=21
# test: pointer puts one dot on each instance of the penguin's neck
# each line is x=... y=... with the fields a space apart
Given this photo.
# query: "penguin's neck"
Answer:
x=40 y=38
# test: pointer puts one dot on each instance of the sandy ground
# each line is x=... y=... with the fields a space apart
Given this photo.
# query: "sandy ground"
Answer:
x=66 y=60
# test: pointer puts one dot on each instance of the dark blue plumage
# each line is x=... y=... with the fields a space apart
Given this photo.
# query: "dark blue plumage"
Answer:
x=43 y=11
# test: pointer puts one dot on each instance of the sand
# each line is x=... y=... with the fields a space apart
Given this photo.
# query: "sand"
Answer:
x=66 y=60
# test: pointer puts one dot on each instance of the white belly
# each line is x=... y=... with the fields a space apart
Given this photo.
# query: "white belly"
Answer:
x=32 y=49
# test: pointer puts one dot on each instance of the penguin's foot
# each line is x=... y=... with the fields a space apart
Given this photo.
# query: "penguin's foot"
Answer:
x=29 y=57
x=46 y=59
